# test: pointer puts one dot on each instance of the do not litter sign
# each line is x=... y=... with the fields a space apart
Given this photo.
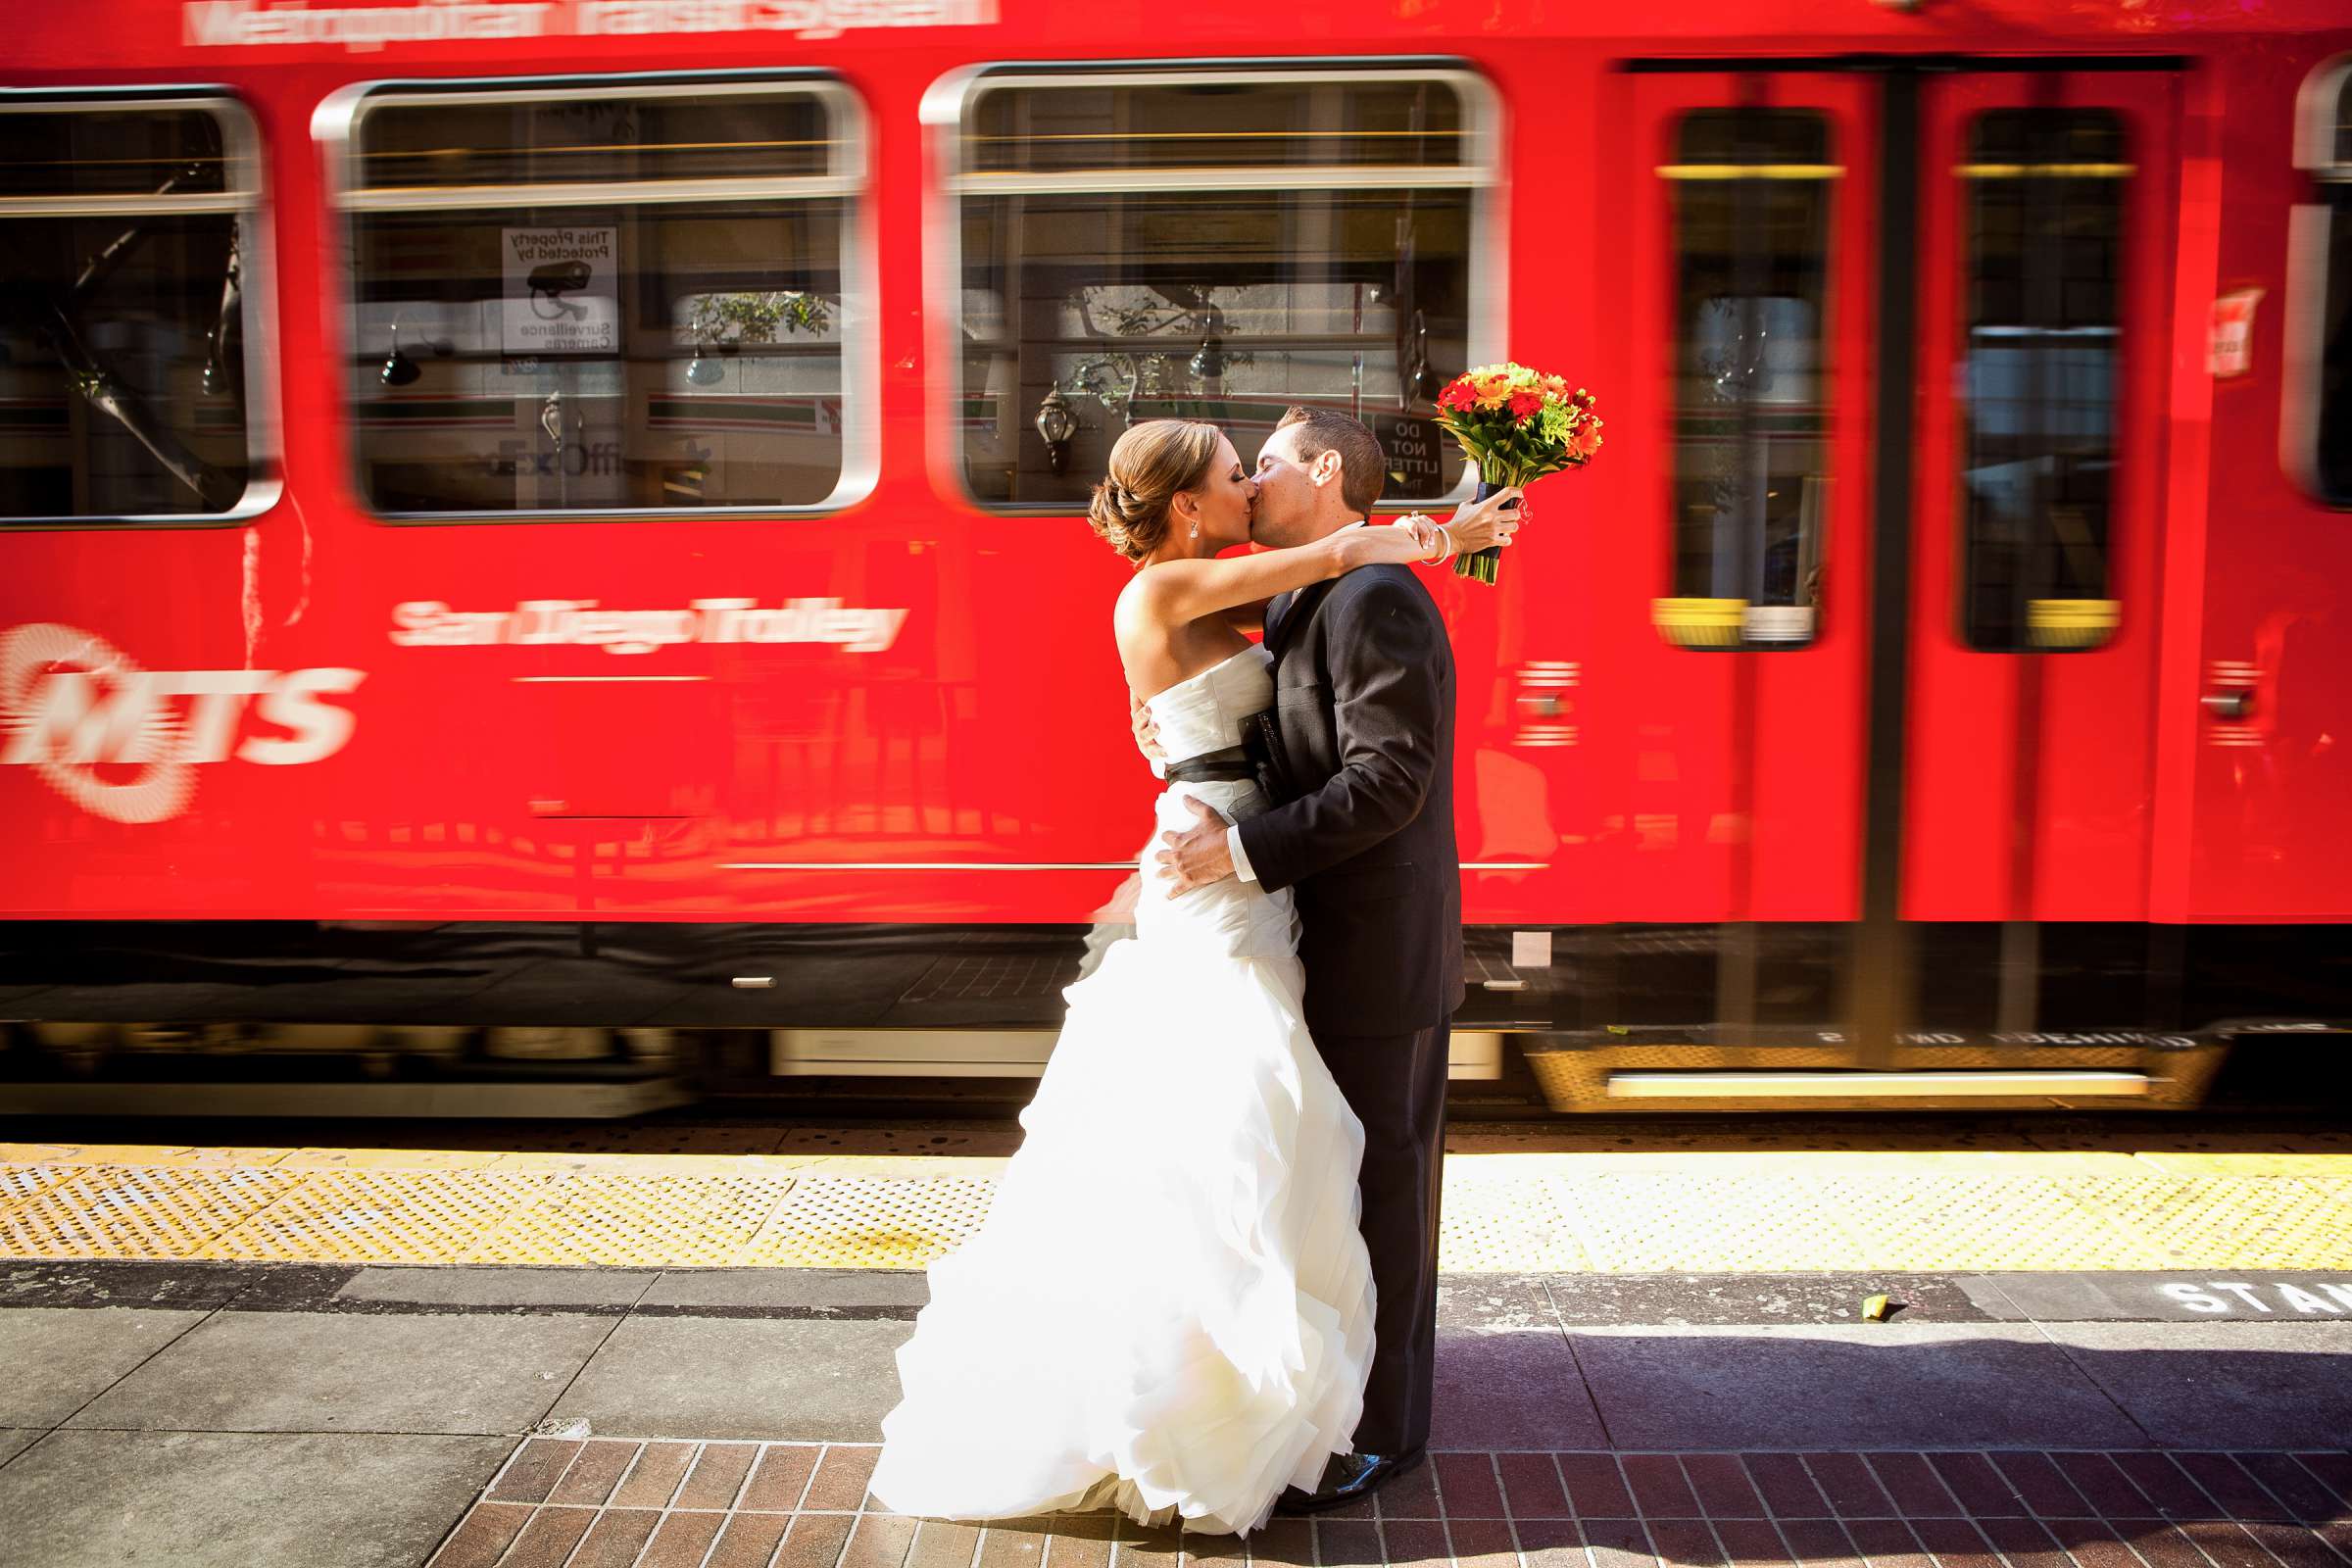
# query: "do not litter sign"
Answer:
x=561 y=294
x=1415 y=447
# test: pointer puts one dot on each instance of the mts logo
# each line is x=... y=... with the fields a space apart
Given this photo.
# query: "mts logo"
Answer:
x=73 y=705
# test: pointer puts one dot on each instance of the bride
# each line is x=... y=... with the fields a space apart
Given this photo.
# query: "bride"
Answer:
x=1169 y=1309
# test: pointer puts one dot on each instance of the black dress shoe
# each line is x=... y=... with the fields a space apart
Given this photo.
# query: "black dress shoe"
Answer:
x=1346 y=1478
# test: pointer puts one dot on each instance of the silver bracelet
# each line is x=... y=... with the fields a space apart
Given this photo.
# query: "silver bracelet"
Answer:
x=1452 y=549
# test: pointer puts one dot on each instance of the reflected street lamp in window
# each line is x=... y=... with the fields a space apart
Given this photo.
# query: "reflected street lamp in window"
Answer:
x=398 y=369
x=1209 y=363
x=1056 y=424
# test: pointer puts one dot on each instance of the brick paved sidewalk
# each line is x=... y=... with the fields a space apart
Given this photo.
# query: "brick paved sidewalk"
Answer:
x=618 y=1502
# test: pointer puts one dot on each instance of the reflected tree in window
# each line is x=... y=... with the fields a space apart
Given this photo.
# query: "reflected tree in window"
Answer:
x=1218 y=251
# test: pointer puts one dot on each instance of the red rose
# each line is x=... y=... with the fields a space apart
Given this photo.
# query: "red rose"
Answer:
x=1457 y=395
x=1525 y=405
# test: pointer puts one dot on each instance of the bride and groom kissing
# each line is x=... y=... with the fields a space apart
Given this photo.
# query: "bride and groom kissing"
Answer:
x=1206 y=1285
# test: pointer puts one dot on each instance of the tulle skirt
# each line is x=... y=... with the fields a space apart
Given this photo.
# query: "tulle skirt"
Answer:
x=1169 y=1309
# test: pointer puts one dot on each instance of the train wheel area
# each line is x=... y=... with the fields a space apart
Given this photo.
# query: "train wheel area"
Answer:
x=1944 y=1342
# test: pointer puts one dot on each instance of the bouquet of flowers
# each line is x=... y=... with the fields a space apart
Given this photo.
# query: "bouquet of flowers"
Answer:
x=1515 y=426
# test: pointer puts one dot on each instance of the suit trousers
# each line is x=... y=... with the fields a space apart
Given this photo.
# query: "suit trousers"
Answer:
x=1397 y=1086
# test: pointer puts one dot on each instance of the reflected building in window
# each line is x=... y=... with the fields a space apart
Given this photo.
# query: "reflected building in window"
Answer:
x=2040 y=376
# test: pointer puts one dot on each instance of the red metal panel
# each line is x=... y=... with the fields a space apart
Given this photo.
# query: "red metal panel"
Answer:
x=1743 y=797
x=2273 y=791
x=2088 y=755
x=2187 y=543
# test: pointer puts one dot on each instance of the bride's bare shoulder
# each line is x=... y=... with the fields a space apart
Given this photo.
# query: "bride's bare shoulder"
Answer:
x=1144 y=601
x=1134 y=624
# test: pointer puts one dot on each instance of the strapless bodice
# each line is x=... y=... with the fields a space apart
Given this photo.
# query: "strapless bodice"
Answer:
x=1204 y=712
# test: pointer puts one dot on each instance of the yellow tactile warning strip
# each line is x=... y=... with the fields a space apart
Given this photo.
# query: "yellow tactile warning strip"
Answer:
x=854 y=1222
x=1618 y=1212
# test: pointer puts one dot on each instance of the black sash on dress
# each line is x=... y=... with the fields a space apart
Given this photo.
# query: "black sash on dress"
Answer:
x=1231 y=763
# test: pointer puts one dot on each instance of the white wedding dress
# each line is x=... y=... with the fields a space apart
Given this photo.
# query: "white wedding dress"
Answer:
x=1169 y=1308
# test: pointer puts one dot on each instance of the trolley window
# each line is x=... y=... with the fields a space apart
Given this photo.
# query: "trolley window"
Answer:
x=2316 y=428
x=127 y=249
x=602 y=297
x=2040 y=376
x=1749 y=193
x=1212 y=244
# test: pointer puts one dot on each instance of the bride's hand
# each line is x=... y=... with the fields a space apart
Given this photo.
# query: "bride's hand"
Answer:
x=1478 y=524
x=1412 y=539
x=1146 y=727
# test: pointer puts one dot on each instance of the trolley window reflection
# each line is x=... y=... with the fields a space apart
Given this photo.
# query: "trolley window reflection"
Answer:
x=125 y=267
x=1750 y=203
x=2040 y=376
x=601 y=299
x=1213 y=245
x=2316 y=429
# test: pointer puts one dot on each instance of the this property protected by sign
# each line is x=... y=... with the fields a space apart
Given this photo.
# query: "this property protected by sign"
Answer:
x=2230 y=339
x=562 y=293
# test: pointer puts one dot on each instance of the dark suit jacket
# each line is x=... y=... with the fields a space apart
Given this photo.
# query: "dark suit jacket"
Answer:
x=1363 y=694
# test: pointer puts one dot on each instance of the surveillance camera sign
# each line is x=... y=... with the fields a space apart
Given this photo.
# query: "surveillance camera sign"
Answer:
x=560 y=292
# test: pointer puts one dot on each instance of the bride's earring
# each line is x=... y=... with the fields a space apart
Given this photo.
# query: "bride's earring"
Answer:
x=1195 y=531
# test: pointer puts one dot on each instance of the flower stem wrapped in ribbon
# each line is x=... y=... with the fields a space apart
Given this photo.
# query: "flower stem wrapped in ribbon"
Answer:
x=1516 y=425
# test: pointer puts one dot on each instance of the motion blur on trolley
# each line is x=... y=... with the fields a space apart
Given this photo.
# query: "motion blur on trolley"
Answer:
x=526 y=530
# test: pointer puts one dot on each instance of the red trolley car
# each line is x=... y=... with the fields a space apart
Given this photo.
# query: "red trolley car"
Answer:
x=531 y=520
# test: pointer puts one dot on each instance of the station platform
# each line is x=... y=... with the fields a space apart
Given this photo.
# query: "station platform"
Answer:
x=649 y=1346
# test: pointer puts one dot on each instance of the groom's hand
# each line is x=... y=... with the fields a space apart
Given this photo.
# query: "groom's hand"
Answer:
x=1199 y=856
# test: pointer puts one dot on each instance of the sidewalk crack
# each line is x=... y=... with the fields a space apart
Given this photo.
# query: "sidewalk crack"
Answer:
x=1560 y=1321
x=2092 y=1378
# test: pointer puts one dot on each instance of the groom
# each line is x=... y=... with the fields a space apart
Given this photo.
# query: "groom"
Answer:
x=1363 y=697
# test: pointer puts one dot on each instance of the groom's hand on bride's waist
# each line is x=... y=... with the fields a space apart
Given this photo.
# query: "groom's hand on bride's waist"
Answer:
x=1199 y=854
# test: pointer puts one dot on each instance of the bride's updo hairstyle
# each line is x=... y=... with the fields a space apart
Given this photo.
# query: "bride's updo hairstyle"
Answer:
x=1148 y=467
